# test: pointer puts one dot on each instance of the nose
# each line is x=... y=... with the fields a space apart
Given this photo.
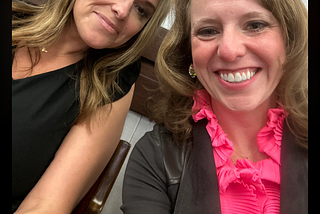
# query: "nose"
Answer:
x=231 y=45
x=122 y=8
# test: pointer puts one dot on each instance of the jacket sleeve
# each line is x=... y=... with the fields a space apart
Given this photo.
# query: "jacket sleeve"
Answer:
x=145 y=189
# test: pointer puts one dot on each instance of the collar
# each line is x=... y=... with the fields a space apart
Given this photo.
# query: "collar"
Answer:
x=199 y=191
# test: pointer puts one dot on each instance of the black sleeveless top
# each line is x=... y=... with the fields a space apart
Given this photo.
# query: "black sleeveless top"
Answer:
x=44 y=108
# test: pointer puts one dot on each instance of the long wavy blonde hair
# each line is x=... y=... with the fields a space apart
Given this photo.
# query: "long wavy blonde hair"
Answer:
x=173 y=107
x=100 y=68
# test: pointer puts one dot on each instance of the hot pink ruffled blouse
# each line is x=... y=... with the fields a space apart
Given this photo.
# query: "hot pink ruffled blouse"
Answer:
x=247 y=187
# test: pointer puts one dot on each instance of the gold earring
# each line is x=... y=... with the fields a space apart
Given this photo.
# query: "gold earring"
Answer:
x=192 y=72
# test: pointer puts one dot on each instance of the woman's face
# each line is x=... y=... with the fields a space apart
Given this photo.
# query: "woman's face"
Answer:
x=238 y=51
x=111 y=23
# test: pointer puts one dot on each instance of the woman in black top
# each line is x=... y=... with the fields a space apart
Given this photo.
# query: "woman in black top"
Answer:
x=74 y=65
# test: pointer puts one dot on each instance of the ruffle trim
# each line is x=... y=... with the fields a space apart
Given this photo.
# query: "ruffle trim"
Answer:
x=223 y=146
x=268 y=139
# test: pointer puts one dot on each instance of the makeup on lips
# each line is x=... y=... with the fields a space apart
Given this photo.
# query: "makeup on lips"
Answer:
x=107 y=24
x=237 y=76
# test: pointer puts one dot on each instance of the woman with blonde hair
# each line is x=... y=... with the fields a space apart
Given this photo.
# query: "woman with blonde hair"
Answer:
x=232 y=132
x=74 y=66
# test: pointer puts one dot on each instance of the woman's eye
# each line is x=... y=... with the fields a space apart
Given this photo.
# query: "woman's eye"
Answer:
x=256 y=25
x=141 y=11
x=207 y=33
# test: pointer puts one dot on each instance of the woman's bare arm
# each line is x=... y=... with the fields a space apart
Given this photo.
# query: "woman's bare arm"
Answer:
x=78 y=162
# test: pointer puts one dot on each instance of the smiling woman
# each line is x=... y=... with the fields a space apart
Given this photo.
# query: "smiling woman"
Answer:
x=176 y=59
x=250 y=40
x=232 y=113
x=74 y=66
x=111 y=30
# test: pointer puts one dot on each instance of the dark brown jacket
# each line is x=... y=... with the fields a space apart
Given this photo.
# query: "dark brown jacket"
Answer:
x=163 y=178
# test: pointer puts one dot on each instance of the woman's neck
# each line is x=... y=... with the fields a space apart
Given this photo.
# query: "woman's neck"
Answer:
x=69 y=42
x=242 y=127
x=68 y=49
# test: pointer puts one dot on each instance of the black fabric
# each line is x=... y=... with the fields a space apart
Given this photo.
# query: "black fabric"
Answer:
x=294 y=176
x=44 y=108
x=197 y=193
x=147 y=186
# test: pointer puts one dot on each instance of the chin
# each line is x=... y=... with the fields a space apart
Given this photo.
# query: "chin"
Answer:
x=241 y=105
x=98 y=41
x=103 y=44
x=96 y=44
x=248 y=105
x=238 y=107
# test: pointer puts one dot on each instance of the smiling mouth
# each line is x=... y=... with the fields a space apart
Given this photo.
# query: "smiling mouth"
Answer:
x=108 y=22
x=239 y=76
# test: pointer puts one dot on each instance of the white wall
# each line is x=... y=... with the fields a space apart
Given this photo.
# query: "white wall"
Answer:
x=306 y=3
x=168 y=21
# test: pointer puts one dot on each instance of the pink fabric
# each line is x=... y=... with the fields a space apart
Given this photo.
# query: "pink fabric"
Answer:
x=248 y=187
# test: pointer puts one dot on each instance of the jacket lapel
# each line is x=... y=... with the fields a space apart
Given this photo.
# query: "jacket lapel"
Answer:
x=294 y=175
x=199 y=191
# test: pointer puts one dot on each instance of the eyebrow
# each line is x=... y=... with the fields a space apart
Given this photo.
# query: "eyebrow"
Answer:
x=204 y=20
x=253 y=14
x=149 y=4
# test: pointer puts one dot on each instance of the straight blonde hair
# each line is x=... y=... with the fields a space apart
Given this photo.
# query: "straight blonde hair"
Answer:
x=100 y=68
x=174 y=106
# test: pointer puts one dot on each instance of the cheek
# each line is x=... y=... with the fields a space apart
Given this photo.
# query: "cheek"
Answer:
x=80 y=10
x=202 y=52
x=272 y=49
x=132 y=27
x=275 y=59
x=202 y=55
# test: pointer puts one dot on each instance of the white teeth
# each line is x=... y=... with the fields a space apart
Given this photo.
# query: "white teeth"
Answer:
x=248 y=74
x=230 y=78
x=244 y=76
x=237 y=77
